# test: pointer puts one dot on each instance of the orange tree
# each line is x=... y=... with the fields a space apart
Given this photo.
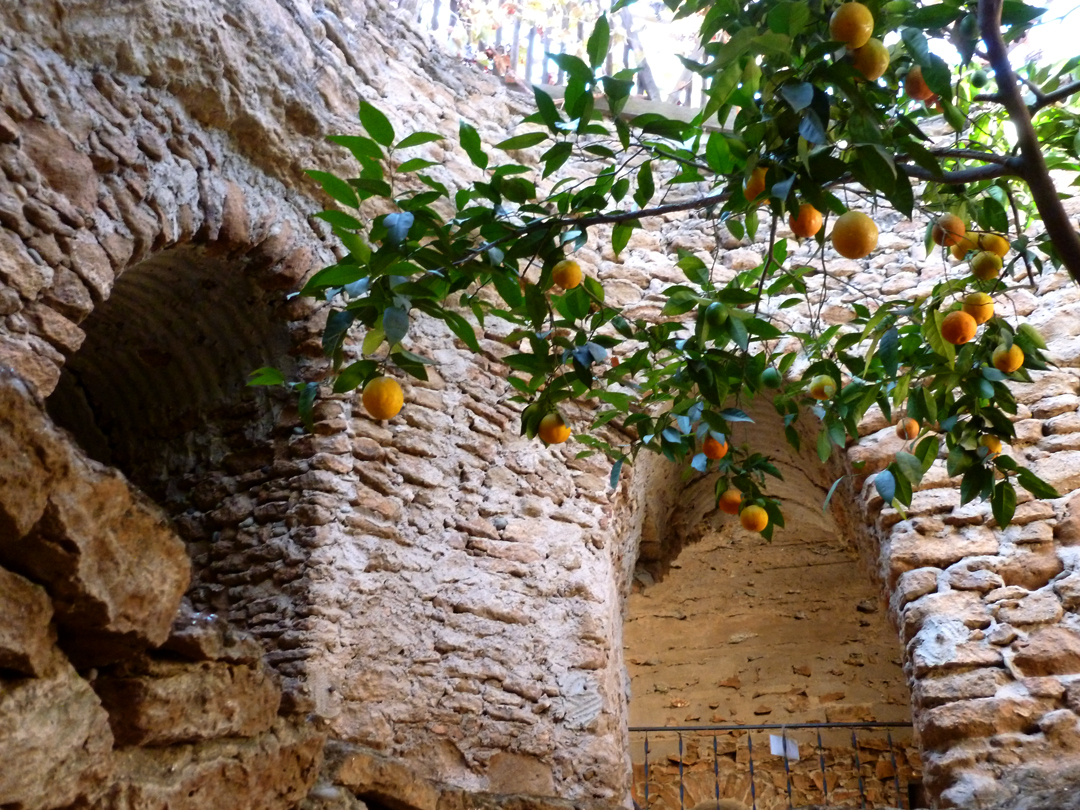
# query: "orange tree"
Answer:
x=816 y=102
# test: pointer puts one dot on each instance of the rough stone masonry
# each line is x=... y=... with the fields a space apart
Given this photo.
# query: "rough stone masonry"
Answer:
x=440 y=598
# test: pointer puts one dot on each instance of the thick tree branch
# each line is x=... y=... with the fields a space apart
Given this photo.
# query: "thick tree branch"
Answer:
x=972 y=154
x=1032 y=165
x=972 y=175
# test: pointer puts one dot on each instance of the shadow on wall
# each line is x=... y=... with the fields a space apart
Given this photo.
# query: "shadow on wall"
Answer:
x=160 y=379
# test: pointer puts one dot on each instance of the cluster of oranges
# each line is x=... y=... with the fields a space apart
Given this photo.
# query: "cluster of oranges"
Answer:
x=853 y=24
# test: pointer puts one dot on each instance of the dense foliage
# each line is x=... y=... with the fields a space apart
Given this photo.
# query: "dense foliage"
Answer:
x=804 y=122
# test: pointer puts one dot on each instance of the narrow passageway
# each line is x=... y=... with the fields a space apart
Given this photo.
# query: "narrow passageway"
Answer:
x=744 y=631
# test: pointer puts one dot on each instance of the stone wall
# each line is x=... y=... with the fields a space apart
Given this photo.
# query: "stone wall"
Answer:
x=433 y=589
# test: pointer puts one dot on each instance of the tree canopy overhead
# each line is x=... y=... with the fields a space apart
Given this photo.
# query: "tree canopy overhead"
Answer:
x=805 y=98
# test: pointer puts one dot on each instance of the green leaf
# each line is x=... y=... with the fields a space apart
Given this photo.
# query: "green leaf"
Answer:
x=1035 y=485
x=694 y=269
x=1003 y=503
x=932 y=332
x=398 y=225
x=645 y=185
x=599 y=41
x=888 y=351
x=910 y=466
x=337 y=326
x=340 y=219
x=885 y=484
x=377 y=125
x=417 y=139
x=824 y=446
x=363 y=149
x=266 y=376
x=616 y=468
x=416 y=164
x=832 y=491
x=470 y=142
x=546 y=109
x=620 y=235
x=575 y=67
x=522 y=141
x=395 y=323
x=336 y=188
x=354 y=375
x=306 y=403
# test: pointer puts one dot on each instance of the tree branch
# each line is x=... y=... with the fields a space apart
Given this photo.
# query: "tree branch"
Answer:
x=1032 y=166
x=972 y=154
x=972 y=175
x=1062 y=93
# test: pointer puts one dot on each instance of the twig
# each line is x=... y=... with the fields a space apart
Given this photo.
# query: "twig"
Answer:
x=1016 y=221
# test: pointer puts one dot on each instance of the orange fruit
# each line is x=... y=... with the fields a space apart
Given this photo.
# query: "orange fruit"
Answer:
x=730 y=501
x=854 y=235
x=755 y=186
x=985 y=265
x=753 y=518
x=907 y=428
x=822 y=387
x=995 y=243
x=553 y=429
x=1007 y=360
x=948 y=230
x=915 y=86
x=383 y=398
x=871 y=60
x=566 y=274
x=991 y=443
x=962 y=247
x=979 y=306
x=807 y=223
x=714 y=449
x=958 y=328
x=852 y=24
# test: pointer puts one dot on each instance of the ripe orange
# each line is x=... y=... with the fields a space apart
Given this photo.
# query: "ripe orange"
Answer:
x=985 y=265
x=871 y=60
x=852 y=24
x=995 y=243
x=383 y=398
x=822 y=387
x=915 y=86
x=1007 y=360
x=907 y=428
x=991 y=443
x=963 y=246
x=958 y=328
x=566 y=274
x=979 y=306
x=714 y=449
x=730 y=501
x=553 y=429
x=755 y=186
x=807 y=223
x=753 y=518
x=854 y=235
x=948 y=230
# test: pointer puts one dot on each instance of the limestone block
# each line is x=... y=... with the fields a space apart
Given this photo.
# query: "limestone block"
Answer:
x=912 y=550
x=199 y=636
x=26 y=636
x=372 y=776
x=1031 y=566
x=165 y=702
x=913 y=584
x=31 y=457
x=1068 y=590
x=964 y=606
x=114 y=569
x=1039 y=607
x=55 y=741
x=979 y=683
x=944 y=642
x=273 y=771
x=1048 y=651
x=972 y=719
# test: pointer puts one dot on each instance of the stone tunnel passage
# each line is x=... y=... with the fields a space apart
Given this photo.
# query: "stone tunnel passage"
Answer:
x=160 y=378
x=732 y=629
